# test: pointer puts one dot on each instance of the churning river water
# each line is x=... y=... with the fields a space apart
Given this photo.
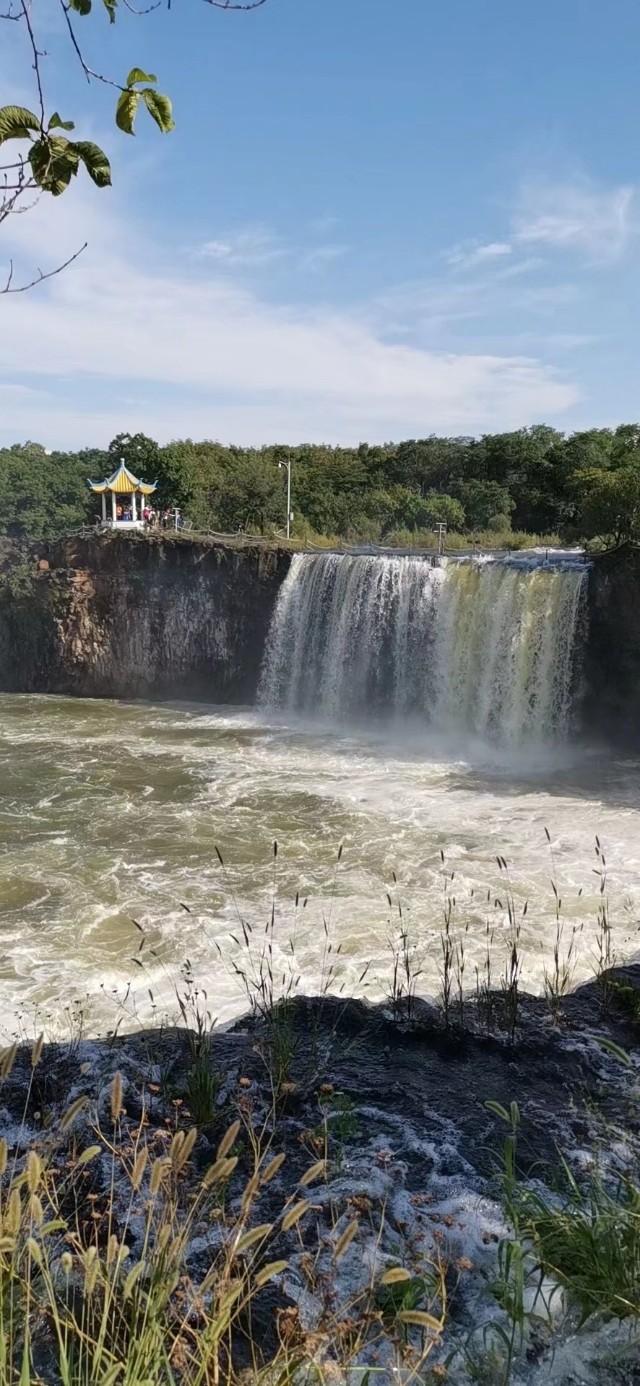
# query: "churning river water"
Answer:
x=112 y=812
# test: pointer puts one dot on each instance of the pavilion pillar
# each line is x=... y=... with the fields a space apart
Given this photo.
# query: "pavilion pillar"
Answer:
x=134 y=513
x=113 y=507
x=104 y=507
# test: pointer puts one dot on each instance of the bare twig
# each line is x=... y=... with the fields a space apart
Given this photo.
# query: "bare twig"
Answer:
x=10 y=193
x=36 y=58
x=89 y=72
x=10 y=288
x=133 y=9
x=231 y=5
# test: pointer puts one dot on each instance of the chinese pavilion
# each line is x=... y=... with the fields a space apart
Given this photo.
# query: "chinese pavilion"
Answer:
x=126 y=512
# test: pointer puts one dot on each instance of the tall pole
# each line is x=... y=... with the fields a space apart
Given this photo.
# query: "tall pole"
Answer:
x=287 y=464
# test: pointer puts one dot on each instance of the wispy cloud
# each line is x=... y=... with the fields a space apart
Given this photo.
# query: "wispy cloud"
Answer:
x=594 y=222
x=250 y=248
x=254 y=248
x=196 y=353
x=580 y=215
x=469 y=255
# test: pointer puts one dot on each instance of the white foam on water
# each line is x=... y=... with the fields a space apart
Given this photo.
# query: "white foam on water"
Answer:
x=132 y=832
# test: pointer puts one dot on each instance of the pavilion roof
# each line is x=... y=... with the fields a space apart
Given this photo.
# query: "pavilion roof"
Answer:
x=123 y=483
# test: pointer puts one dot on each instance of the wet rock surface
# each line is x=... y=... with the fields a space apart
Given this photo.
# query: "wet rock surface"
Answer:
x=611 y=703
x=148 y=615
x=396 y=1104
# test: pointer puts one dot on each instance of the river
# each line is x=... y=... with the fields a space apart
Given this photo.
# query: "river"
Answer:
x=112 y=812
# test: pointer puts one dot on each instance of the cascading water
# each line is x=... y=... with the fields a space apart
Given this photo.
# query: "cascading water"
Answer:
x=475 y=646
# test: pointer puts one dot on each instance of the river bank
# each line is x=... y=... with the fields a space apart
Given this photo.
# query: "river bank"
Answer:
x=392 y=1138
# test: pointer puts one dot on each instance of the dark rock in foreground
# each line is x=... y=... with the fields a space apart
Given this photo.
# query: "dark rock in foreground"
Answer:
x=397 y=1104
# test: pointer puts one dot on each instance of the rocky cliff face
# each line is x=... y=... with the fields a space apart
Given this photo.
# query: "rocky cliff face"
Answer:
x=611 y=704
x=169 y=616
x=135 y=616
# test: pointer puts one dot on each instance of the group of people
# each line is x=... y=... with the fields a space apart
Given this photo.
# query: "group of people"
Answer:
x=153 y=519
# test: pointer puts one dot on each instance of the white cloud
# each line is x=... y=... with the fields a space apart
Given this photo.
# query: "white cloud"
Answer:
x=250 y=248
x=468 y=256
x=121 y=340
x=580 y=215
x=254 y=248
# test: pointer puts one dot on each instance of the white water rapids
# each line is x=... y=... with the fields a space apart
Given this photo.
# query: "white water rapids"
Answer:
x=112 y=812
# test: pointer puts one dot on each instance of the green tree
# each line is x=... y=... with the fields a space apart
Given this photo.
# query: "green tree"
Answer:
x=484 y=501
x=250 y=495
x=42 y=494
x=608 y=503
x=411 y=510
x=138 y=452
x=428 y=464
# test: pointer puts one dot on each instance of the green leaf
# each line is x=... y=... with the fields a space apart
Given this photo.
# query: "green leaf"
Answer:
x=137 y=75
x=81 y=6
x=17 y=123
x=53 y=163
x=95 y=162
x=615 y=1050
x=57 y=123
x=160 y=108
x=126 y=110
x=498 y=1110
x=110 y=7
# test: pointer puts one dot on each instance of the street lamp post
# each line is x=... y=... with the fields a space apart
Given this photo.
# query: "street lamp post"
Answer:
x=287 y=464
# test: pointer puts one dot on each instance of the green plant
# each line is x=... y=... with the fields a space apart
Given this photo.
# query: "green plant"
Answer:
x=590 y=1243
x=510 y=982
x=627 y=998
x=557 y=980
x=99 y=1289
x=509 y=1291
x=405 y=972
x=605 y=956
x=585 y=1239
x=202 y=1080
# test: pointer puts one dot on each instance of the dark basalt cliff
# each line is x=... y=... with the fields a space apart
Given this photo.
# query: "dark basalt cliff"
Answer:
x=136 y=615
x=166 y=615
x=611 y=666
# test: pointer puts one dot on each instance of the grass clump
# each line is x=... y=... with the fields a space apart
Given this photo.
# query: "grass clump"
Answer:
x=590 y=1244
x=583 y=1241
x=140 y=1256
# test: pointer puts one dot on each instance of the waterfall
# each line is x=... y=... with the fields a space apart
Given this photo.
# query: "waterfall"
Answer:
x=475 y=646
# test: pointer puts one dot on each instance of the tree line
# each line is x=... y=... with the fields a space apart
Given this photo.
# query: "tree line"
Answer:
x=583 y=486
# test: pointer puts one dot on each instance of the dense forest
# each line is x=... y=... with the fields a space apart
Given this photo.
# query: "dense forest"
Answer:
x=495 y=489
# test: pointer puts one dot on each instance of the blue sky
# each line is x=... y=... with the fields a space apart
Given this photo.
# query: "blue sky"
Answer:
x=373 y=220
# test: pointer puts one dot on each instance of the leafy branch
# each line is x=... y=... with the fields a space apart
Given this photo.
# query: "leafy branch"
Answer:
x=52 y=159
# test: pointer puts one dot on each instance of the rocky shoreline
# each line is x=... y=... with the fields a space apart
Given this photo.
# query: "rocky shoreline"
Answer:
x=394 y=1103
